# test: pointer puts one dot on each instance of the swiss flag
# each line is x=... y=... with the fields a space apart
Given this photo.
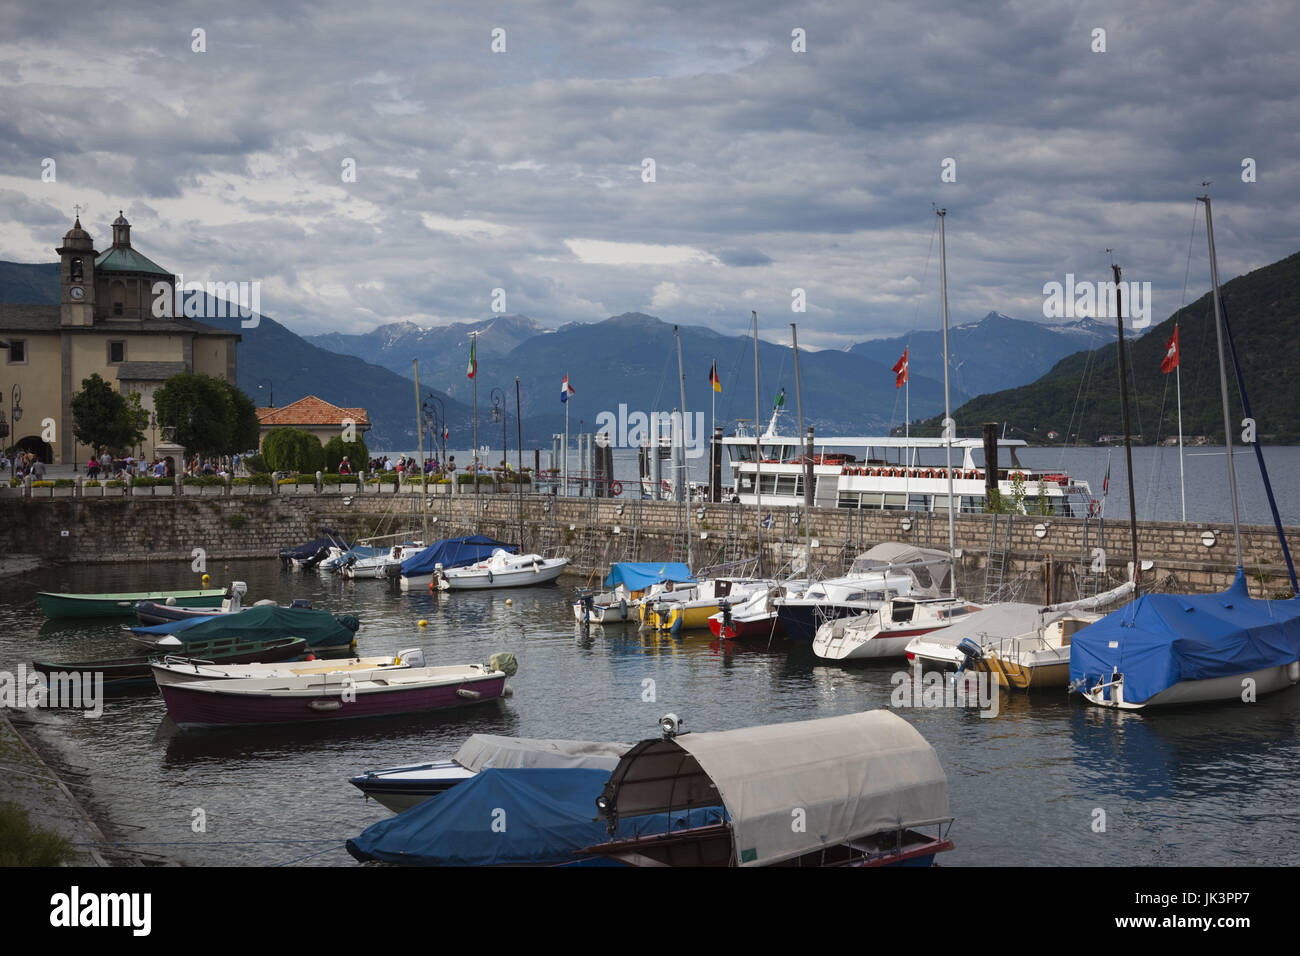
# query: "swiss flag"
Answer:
x=1170 y=361
x=900 y=369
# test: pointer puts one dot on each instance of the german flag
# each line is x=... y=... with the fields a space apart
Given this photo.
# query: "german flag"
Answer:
x=713 y=378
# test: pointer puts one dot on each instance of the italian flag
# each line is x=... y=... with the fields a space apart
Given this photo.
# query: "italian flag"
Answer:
x=473 y=362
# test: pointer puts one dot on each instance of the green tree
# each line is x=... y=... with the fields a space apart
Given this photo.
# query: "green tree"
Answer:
x=356 y=452
x=292 y=449
x=103 y=418
x=210 y=415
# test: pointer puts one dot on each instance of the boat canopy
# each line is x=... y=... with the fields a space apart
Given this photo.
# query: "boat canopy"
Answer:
x=931 y=568
x=265 y=623
x=1161 y=639
x=453 y=553
x=489 y=751
x=853 y=776
x=546 y=816
x=307 y=550
x=639 y=575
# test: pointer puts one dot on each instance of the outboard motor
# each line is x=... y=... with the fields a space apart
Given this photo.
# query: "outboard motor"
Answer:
x=725 y=633
x=971 y=653
x=588 y=601
x=411 y=657
x=321 y=554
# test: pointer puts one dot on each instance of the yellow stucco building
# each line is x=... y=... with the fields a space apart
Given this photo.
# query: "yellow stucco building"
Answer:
x=105 y=322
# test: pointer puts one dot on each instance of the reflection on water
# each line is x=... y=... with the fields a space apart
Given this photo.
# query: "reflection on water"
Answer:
x=1210 y=786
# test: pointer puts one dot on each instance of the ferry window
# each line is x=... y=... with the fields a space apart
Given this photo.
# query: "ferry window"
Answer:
x=918 y=502
x=941 y=502
x=850 y=499
x=746 y=482
x=895 y=502
x=767 y=484
x=741 y=452
x=972 y=504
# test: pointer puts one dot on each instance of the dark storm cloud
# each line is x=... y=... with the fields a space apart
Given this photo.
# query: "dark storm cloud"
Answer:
x=775 y=170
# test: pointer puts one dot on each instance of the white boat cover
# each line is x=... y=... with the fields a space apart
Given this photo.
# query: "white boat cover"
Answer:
x=507 y=753
x=1015 y=620
x=851 y=776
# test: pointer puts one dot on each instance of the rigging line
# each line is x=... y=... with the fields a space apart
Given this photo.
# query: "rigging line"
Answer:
x=1155 y=457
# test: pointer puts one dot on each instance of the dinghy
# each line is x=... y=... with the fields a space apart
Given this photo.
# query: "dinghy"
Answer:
x=125 y=672
x=60 y=606
x=184 y=670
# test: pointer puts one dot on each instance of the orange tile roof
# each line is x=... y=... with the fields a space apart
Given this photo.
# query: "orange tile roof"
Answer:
x=311 y=412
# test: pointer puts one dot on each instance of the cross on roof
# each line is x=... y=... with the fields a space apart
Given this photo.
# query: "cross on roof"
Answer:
x=76 y=207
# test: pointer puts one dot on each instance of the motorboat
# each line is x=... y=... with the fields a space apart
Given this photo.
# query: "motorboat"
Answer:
x=400 y=788
x=886 y=571
x=854 y=790
x=755 y=617
x=310 y=554
x=58 y=606
x=671 y=612
x=629 y=583
x=317 y=698
x=184 y=670
x=503 y=570
x=384 y=563
x=159 y=612
x=420 y=570
x=887 y=631
x=321 y=630
x=522 y=816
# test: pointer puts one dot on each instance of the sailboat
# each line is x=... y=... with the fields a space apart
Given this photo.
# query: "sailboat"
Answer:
x=1168 y=649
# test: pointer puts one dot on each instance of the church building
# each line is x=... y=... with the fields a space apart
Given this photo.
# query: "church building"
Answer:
x=105 y=322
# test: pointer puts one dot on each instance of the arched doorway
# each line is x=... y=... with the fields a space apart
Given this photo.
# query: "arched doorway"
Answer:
x=32 y=443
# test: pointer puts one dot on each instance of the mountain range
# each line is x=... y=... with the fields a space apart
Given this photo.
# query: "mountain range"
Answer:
x=1079 y=397
x=629 y=359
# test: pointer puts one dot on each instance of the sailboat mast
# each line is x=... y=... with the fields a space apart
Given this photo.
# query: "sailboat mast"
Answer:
x=1128 y=441
x=1223 y=378
x=809 y=464
x=681 y=432
x=947 y=409
x=419 y=437
x=758 y=455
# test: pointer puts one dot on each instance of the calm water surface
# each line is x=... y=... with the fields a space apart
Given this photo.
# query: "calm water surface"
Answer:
x=1214 y=786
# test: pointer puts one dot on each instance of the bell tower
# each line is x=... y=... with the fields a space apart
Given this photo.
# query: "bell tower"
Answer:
x=76 y=277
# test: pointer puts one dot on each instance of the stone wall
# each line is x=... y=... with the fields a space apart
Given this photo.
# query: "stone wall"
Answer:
x=1056 y=563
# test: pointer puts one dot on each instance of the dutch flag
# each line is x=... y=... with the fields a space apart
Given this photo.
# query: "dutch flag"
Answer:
x=565 y=389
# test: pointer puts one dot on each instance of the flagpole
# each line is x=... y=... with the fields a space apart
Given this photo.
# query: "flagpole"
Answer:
x=713 y=425
x=473 y=352
x=566 y=447
x=1182 y=481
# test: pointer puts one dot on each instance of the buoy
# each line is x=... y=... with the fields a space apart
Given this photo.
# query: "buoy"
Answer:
x=510 y=602
x=207 y=577
x=423 y=623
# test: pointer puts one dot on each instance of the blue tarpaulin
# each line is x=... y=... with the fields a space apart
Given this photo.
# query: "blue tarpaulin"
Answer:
x=504 y=817
x=639 y=575
x=453 y=553
x=1161 y=639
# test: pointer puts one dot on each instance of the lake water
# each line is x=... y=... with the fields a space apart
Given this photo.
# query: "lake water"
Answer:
x=1155 y=471
x=1214 y=786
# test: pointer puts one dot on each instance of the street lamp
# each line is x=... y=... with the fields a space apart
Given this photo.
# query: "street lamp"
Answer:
x=141 y=421
x=499 y=414
x=153 y=428
x=270 y=390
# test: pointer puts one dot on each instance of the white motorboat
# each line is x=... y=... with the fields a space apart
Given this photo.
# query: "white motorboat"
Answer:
x=377 y=566
x=400 y=788
x=503 y=570
x=181 y=670
x=691 y=608
x=887 y=631
x=630 y=583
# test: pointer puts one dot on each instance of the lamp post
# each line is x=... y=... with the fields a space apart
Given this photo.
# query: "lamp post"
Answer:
x=443 y=430
x=499 y=414
x=270 y=390
x=153 y=428
x=15 y=410
x=141 y=421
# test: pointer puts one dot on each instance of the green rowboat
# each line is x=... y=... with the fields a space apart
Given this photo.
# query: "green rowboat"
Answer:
x=59 y=606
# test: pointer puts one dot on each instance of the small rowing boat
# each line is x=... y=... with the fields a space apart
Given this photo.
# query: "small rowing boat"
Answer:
x=57 y=606
x=124 y=672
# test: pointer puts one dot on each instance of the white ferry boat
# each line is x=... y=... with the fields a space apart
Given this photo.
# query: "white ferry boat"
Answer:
x=894 y=474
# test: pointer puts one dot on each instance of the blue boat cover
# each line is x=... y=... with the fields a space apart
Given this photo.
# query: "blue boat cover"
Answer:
x=504 y=817
x=639 y=575
x=1161 y=639
x=454 y=553
x=266 y=623
x=308 y=549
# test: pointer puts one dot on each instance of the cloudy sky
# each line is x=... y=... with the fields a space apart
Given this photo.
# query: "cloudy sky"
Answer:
x=774 y=169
